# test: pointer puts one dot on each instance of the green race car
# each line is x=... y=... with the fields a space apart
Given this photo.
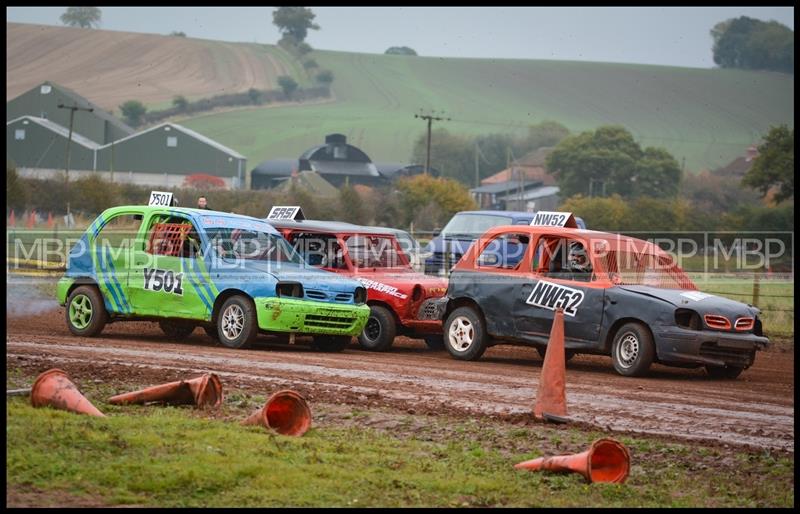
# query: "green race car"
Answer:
x=233 y=275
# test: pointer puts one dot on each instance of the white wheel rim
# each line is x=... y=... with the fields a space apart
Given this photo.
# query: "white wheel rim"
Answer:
x=461 y=334
x=628 y=350
x=233 y=322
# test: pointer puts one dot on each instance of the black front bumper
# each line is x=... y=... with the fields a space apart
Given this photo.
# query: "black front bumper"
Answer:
x=678 y=345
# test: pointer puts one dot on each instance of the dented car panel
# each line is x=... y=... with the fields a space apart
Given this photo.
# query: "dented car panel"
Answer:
x=688 y=327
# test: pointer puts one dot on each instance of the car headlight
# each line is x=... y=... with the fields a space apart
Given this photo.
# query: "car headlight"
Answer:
x=360 y=295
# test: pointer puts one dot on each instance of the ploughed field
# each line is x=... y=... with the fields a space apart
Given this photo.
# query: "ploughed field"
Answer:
x=754 y=411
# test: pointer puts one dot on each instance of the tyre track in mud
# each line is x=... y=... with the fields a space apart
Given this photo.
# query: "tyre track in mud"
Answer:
x=757 y=410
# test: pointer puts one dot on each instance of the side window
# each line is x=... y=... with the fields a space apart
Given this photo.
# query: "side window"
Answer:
x=119 y=232
x=504 y=251
x=172 y=237
x=561 y=257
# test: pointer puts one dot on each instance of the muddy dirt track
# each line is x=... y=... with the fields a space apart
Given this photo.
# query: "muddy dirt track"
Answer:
x=756 y=410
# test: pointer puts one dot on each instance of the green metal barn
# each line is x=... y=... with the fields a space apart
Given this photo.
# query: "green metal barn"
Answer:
x=37 y=143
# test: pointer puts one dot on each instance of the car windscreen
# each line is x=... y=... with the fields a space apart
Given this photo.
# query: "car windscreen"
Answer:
x=249 y=244
x=374 y=251
x=473 y=224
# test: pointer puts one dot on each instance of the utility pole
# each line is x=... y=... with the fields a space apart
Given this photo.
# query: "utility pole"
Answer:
x=430 y=118
x=477 y=169
x=72 y=110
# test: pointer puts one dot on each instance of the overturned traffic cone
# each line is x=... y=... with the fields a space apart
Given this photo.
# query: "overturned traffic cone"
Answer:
x=54 y=388
x=286 y=412
x=551 y=400
x=606 y=461
x=205 y=391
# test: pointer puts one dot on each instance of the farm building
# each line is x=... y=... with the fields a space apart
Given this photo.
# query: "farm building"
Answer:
x=335 y=161
x=528 y=168
x=524 y=186
x=43 y=100
x=167 y=153
x=37 y=147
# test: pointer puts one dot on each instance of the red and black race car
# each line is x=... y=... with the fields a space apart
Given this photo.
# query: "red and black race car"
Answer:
x=621 y=296
x=395 y=292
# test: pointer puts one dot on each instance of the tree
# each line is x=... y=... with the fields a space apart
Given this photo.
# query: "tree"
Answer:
x=609 y=161
x=294 y=21
x=84 y=17
x=351 y=206
x=310 y=63
x=400 y=50
x=180 y=102
x=545 y=133
x=177 y=33
x=133 y=111
x=288 y=85
x=774 y=166
x=419 y=191
x=452 y=154
x=749 y=43
x=254 y=95
x=16 y=191
x=325 y=77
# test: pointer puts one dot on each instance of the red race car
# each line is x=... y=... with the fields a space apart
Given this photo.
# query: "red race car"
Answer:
x=395 y=292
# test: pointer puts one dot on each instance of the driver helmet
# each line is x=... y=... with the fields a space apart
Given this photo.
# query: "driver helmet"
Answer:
x=577 y=259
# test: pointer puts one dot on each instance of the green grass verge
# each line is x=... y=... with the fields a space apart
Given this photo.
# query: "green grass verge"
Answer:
x=708 y=116
x=178 y=457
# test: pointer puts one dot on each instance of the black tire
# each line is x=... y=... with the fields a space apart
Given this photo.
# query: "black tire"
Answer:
x=435 y=342
x=177 y=330
x=465 y=334
x=633 y=350
x=380 y=330
x=211 y=331
x=237 y=324
x=326 y=343
x=724 y=372
x=86 y=313
x=568 y=354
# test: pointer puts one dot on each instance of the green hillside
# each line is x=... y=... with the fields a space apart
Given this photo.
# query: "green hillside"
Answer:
x=708 y=117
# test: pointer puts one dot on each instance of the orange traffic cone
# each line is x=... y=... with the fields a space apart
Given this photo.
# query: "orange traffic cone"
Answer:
x=31 y=219
x=606 y=461
x=205 y=391
x=54 y=388
x=551 y=401
x=50 y=220
x=12 y=220
x=286 y=412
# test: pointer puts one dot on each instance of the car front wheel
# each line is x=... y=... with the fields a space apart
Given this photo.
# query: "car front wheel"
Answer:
x=633 y=350
x=237 y=325
x=465 y=334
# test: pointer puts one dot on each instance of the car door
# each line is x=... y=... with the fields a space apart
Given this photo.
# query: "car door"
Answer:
x=164 y=280
x=548 y=285
x=112 y=248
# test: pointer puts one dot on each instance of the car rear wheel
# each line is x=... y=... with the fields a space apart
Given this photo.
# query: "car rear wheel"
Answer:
x=633 y=350
x=724 y=372
x=568 y=354
x=325 y=343
x=176 y=330
x=380 y=330
x=465 y=335
x=85 y=311
x=237 y=325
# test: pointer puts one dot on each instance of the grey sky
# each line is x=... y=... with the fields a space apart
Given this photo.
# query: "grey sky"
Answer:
x=676 y=36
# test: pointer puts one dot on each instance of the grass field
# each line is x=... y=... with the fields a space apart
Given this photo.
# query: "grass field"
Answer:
x=707 y=116
x=179 y=457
